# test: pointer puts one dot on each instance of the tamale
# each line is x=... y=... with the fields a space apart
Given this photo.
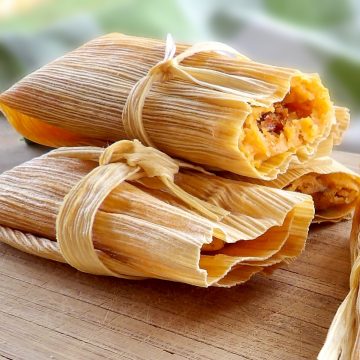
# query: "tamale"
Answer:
x=204 y=103
x=343 y=339
x=333 y=187
x=130 y=211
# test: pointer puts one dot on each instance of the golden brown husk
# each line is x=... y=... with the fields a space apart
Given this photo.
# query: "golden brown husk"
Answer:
x=79 y=100
x=148 y=225
x=343 y=339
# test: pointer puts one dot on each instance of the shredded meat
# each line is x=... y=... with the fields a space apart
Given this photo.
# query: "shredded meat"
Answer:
x=324 y=193
x=274 y=121
x=333 y=197
x=301 y=110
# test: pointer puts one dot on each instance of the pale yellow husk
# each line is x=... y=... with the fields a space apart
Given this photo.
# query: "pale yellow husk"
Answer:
x=343 y=338
x=342 y=123
x=335 y=187
x=200 y=105
x=127 y=211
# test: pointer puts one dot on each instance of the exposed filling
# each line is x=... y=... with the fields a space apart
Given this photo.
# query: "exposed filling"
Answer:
x=274 y=122
x=327 y=191
x=299 y=119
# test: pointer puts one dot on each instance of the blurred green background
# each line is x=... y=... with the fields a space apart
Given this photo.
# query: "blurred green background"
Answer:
x=316 y=36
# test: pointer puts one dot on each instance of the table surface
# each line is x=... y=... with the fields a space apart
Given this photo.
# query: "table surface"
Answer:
x=51 y=311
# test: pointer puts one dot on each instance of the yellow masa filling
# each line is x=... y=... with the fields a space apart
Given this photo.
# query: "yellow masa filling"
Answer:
x=327 y=190
x=308 y=107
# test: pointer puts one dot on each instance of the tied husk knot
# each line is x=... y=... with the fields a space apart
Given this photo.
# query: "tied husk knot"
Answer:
x=152 y=162
x=169 y=68
x=204 y=103
x=124 y=160
x=127 y=211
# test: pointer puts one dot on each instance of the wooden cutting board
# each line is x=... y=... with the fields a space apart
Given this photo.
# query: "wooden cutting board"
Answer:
x=51 y=311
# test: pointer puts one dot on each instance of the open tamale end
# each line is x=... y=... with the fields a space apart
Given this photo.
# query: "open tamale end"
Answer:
x=203 y=105
x=333 y=187
x=131 y=211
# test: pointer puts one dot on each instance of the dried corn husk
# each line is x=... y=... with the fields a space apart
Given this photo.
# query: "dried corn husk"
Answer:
x=342 y=123
x=202 y=105
x=343 y=339
x=127 y=211
x=333 y=186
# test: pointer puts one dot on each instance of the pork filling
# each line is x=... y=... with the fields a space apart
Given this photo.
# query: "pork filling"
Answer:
x=275 y=121
x=327 y=191
x=299 y=119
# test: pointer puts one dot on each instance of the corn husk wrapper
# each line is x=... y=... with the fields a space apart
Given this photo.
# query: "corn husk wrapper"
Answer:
x=201 y=105
x=334 y=187
x=342 y=116
x=128 y=212
x=343 y=338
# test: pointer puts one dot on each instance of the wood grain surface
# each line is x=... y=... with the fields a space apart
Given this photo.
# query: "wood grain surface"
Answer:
x=51 y=311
